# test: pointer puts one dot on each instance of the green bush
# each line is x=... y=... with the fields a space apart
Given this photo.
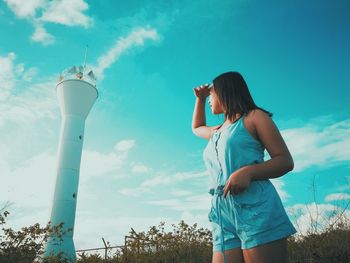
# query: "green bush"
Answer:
x=184 y=243
x=332 y=245
x=27 y=244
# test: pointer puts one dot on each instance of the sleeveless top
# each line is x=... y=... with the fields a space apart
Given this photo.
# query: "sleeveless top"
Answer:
x=230 y=149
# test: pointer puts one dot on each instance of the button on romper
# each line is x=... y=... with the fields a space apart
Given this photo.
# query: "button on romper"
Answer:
x=253 y=217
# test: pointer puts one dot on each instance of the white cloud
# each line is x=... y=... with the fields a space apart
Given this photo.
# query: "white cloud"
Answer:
x=67 y=12
x=140 y=169
x=134 y=192
x=23 y=184
x=29 y=74
x=7 y=75
x=102 y=164
x=163 y=179
x=308 y=218
x=194 y=202
x=323 y=144
x=12 y=73
x=345 y=187
x=26 y=106
x=180 y=192
x=158 y=180
x=41 y=35
x=136 y=37
x=25 y=9
x=36 y=102
x=27 y=122
x=124 y=145
x=279 y=184
x=19 y=69
x=337 y=196
x=64 y=12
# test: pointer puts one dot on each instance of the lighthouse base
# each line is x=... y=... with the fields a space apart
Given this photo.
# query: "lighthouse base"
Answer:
x=64 y=248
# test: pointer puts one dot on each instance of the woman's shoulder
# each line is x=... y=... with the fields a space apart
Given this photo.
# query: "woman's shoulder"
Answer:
x=257 y=117
x=256 y=114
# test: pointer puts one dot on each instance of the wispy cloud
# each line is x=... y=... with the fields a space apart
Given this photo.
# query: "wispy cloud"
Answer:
x=39 y=12
x=41 y=35
x=311 y=217
x=30 y=106
x=162 y=179
x=193 y=202
x=140 y=169
x=35 y=172
x=336 y=197
x=66 y=12
x=345 y=187
x=124 y=145
x=279 y=185
x=102 y=164
x=11 y=73
x=180 y=192
x=7 y=75
x=176 y=178
x=25 y=9
x=135 y=38
x=319 y=144
x=26 y=106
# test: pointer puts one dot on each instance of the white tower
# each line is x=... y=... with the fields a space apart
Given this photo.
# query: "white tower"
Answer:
x=76 y=94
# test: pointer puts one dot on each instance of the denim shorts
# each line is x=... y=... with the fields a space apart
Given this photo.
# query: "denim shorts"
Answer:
x=249 y=219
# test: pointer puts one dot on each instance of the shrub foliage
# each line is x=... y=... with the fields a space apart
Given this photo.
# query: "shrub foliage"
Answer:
x=184 y=243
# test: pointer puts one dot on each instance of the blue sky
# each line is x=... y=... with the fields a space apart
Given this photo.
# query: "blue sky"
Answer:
x=141 y=163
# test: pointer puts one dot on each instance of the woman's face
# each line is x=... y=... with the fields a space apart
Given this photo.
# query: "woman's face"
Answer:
x=214 y=102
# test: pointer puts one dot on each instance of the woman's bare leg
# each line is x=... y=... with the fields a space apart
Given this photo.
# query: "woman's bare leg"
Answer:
x=273 y=252
x=232 y=256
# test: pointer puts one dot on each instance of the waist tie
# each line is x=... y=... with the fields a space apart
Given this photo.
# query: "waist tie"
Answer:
x=219 y=191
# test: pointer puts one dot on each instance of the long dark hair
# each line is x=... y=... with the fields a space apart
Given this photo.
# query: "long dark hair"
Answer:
x=234 y=95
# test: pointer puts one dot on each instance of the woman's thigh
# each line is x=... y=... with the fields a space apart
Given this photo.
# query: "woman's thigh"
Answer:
x=272 y=252
x=232 y=255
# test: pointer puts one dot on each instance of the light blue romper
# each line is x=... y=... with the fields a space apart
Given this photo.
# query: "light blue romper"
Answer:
x=253 y=217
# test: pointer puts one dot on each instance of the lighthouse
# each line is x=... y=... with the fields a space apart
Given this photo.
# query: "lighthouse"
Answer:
x=76 y=92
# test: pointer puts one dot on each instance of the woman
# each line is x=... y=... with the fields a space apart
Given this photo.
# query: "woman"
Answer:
x=249 y=223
